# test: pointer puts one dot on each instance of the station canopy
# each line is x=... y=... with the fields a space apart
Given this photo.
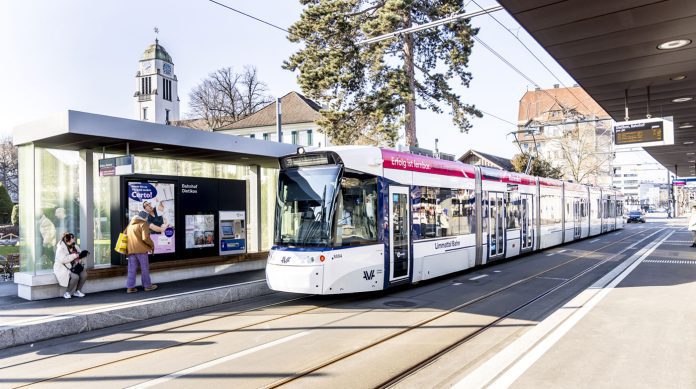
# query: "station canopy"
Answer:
x=74 y=130
x=610 y=46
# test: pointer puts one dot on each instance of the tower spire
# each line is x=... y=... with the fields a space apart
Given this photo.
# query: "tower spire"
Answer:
x=156 y=30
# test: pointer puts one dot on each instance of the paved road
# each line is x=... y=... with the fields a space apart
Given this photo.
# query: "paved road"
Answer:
x=348 y=341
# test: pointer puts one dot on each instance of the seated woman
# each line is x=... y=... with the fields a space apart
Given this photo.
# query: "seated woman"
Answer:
x=68 y=257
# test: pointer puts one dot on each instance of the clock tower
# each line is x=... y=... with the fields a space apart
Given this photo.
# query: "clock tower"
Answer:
x=156 y=98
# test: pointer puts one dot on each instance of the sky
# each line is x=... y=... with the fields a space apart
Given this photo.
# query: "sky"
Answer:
x=83 y=55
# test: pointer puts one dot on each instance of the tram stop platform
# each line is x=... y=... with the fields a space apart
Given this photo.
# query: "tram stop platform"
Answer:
x=634 y=328
x=25 y=322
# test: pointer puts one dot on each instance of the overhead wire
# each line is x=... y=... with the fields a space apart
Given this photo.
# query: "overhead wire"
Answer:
x=249 y=16
x=475 y=37
x=533 y=55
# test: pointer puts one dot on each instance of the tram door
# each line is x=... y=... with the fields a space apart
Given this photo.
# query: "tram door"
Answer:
x=496 y=224
x=527 y=222
x=399 y=233
x=577 y=230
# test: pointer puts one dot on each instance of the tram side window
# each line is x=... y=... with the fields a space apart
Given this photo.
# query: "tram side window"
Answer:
x=551 y=209
x=356 y=211
x=513 y=210
x=423 y=209
x=442 y=212
x=599 y=209
x=463 y=218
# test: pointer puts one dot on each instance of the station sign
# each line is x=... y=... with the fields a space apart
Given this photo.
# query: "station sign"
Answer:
x=644 y=133
x=117 y=166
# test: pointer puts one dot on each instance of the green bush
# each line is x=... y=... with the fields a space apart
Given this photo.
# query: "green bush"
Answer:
x=6 y=205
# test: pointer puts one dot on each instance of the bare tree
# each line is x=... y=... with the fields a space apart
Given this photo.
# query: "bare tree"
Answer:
x=226 y=96
x=585 y=152
x=8 y=166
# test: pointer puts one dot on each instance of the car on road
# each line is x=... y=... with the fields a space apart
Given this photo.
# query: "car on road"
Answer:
x=635 y=217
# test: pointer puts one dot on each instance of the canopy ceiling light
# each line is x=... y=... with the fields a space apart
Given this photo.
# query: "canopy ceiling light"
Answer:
x=682 y=99
x=678 y=78
x=675 y=44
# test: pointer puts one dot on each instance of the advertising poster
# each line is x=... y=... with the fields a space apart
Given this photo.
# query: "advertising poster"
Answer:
x=157 y=199
x=200 y=231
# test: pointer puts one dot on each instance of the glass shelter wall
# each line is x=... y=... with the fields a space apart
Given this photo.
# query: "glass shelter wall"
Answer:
x=50 y=204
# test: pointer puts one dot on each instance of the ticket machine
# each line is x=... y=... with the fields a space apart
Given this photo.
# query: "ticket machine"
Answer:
x=232 y=232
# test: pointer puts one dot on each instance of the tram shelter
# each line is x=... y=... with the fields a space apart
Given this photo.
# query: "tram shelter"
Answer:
x=212 y=196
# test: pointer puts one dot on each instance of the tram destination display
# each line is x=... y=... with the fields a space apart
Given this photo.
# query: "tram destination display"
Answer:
x=641 y=133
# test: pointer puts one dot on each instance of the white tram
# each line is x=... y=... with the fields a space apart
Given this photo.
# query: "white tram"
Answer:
x=357 y=219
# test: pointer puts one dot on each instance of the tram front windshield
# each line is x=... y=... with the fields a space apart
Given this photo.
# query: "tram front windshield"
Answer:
x=304 y=203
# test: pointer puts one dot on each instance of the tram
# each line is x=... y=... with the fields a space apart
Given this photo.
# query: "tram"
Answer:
x=357 y=218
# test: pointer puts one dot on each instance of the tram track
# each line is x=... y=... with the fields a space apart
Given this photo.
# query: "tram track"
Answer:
x=300 y=312
x=182 y=326
x=432 y=358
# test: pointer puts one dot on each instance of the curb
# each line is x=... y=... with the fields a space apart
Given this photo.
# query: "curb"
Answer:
x=122 y=313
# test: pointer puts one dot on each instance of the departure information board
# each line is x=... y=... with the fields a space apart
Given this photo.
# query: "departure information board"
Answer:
x=644 y=133
x=639 y=133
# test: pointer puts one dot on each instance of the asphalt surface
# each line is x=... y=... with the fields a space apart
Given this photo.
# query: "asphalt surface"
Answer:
x=640 y=334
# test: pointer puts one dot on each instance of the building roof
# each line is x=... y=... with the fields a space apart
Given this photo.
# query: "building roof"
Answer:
x=500 y=162
x=156 y=51
x=537 y=104
x=295 y=108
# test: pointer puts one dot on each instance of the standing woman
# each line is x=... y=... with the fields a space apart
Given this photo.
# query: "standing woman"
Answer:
x=68 y=257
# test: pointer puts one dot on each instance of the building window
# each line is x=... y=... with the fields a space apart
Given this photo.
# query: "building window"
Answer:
x=145 y=113
x=166 y=118
x=167 y=89
x=294 y=137
x=146 y=85
x=265 y=136
x=310 y=141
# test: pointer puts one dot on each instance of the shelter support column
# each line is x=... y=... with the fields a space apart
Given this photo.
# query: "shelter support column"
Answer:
x=254 y=219
x=86 y=185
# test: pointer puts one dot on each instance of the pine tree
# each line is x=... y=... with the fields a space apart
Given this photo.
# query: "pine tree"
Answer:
x=372 y=90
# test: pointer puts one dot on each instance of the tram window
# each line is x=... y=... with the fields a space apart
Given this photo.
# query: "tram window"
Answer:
x=551 y=208
x=441 y=212
x=513 y=210
x=424 y=215
x=463 y=218
x=356 y=211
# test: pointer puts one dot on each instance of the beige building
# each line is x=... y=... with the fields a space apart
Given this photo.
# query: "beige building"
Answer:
x=569 y=129
x=299 y=116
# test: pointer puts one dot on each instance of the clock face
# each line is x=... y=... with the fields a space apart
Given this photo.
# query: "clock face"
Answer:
x=167 y=69
x=147 y=67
